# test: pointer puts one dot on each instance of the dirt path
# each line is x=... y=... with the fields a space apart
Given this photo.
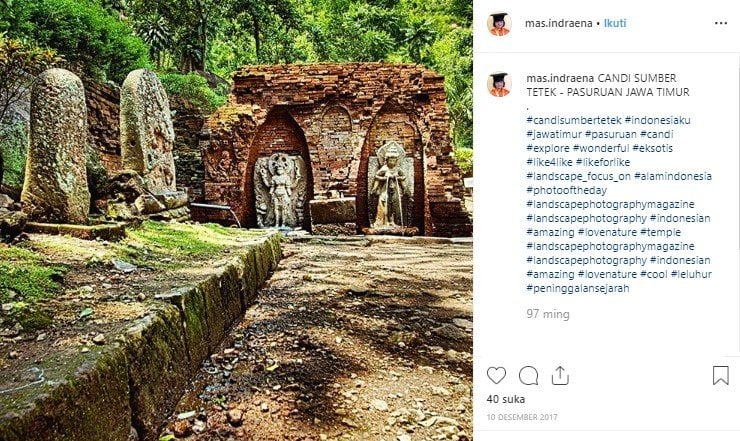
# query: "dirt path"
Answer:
x=349 y=340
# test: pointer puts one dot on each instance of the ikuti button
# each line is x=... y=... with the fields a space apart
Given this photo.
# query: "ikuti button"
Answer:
x=721 y=374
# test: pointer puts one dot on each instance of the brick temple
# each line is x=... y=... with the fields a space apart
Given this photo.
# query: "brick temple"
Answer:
x=333 y=118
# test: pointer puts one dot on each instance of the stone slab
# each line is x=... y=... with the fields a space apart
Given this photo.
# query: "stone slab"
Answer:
x=173 y=199
x=108 y=231
x=346 y=229
x=137 y=380
x=55 y=186
x=333 y=211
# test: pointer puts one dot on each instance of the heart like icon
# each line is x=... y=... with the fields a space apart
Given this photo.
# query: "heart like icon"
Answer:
x=496 y=374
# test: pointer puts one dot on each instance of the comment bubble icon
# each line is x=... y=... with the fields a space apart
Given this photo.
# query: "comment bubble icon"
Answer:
x=528 y=376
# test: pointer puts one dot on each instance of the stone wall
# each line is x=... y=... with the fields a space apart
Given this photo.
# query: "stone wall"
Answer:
x=103 y=122
x=335 y=116
x=188 y=122
x=135 y=382
x=103 y=105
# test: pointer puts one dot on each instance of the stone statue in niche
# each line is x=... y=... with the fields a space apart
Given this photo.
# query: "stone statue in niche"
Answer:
x=392 y=180
x=280 y=190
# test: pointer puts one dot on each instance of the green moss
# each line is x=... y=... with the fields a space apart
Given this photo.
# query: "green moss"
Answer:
x=32 y=318
x=25 y=277
x=153 y=241
x=13 y=140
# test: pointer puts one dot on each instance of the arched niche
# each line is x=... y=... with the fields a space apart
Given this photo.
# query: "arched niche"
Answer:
x=392 y=123
x=279 y=134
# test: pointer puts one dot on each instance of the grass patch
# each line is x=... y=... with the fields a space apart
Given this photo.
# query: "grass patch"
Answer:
x=153 y=241
x=25 y=277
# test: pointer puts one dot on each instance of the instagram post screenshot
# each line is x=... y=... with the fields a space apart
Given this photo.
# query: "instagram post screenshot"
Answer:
x=236 y=220
x=606 y=232
x=387 y=220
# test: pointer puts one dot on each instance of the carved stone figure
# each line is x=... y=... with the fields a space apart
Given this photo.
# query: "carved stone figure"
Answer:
x=220 y=163
x=147 y=136
x=280 y=190
x=224 y=164
x=55 y=187
x=390 y=183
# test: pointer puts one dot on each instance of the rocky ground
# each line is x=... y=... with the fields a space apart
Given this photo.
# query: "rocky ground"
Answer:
x=62 y=296
x=353 y=339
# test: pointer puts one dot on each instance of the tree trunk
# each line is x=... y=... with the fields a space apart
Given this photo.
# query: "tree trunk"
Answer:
x=256 y=30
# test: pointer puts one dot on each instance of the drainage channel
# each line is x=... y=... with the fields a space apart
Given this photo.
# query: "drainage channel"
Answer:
x=345 y=341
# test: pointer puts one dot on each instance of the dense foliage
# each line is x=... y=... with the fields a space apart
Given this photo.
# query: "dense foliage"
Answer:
x=82 y=31
x=194 y=88
x=111 y=37
x=19 y=62
x=464 y=158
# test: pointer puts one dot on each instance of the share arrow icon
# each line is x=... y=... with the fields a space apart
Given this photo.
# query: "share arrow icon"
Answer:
x=560 y=379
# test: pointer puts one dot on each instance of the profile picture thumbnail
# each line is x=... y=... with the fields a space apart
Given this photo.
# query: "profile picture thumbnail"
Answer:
x=499 y=23
x=499 y=84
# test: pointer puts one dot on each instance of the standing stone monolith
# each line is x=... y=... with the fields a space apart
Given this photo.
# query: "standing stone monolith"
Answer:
x=147 y=136
x=55 y=186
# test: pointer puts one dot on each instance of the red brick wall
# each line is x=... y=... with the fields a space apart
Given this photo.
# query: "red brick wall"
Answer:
x=334 y=151
x=103 y=123
x=343 y=112
x=103 y=103
x=187 y=120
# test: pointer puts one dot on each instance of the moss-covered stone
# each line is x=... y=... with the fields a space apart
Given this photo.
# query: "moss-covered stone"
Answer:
x=32 y=318
x=102 y=394
x=55 y=185
x=90 y=404
x=158 y=368
x=147 y=135
x=108 y=231
x=13 y=145
x=214 y=307
x=260 y=265
x=230 y=290
x=189 y=300
x=197 y=328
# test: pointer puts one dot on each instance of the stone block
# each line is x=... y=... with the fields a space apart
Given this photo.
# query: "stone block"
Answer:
x=173 y=199
x=148 y=204
x=345 y=229
x=333 y=211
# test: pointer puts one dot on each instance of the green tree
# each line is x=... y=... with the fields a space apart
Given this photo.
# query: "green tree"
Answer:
x=460 y=107
x=192 y=24
x=19 y=65
x=157 y=34
x=194 y=89
x=90 y=38
x=346 y=30
x=418 y=36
